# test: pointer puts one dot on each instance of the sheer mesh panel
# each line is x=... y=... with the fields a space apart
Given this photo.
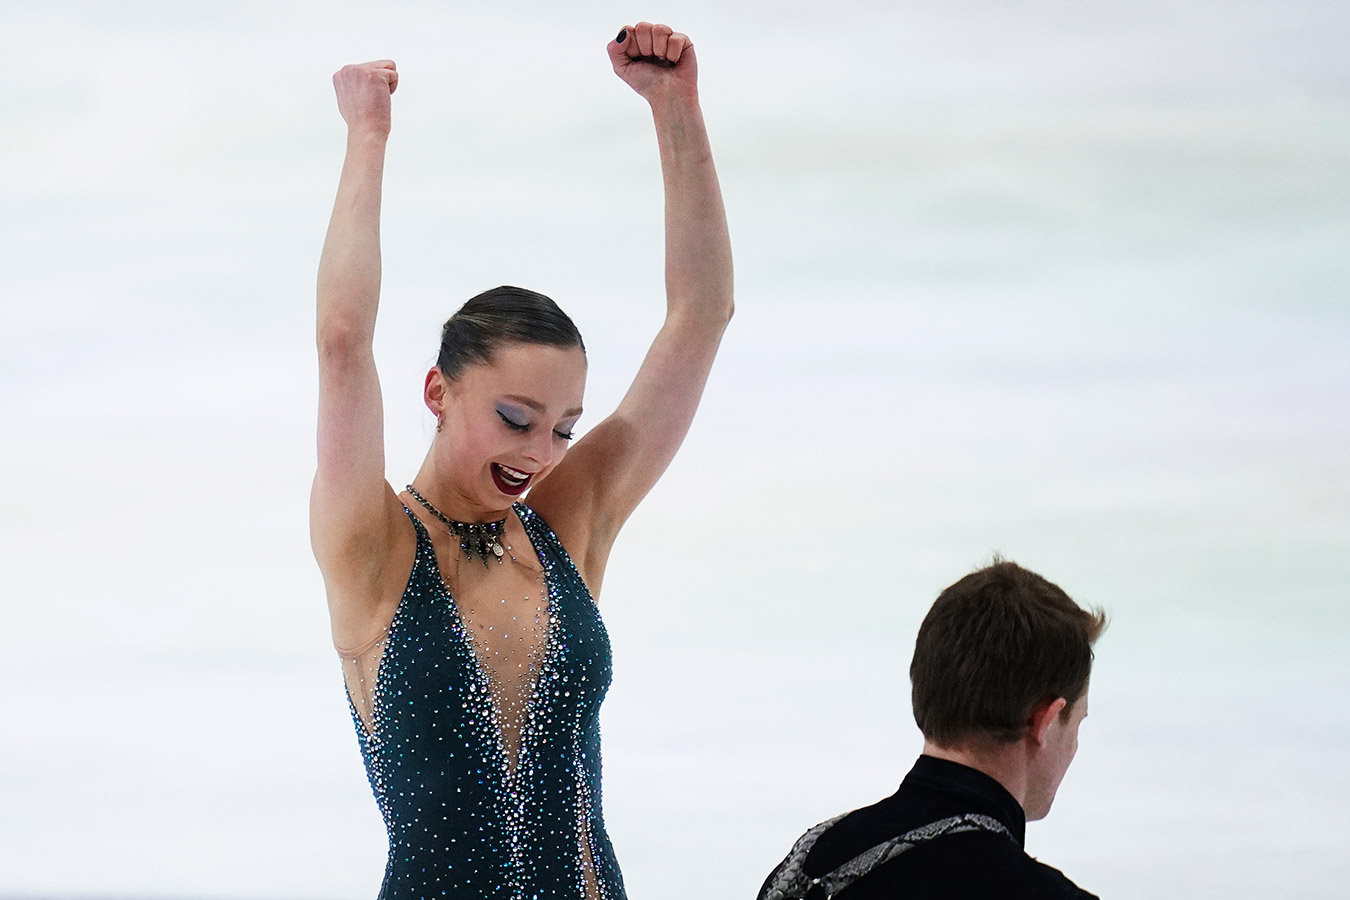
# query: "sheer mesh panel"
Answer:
x=360 y=669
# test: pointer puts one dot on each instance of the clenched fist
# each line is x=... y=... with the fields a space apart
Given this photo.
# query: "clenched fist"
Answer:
x=655 y=61
x=363 y=94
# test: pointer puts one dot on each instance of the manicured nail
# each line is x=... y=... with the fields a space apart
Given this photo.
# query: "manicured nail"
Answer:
x=623 y=36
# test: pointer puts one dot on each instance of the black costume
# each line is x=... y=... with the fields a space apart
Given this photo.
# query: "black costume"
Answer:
x=962 y=840
x=466 y=819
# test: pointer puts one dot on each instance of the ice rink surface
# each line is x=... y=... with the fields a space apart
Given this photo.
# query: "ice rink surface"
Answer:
x=1064 y=282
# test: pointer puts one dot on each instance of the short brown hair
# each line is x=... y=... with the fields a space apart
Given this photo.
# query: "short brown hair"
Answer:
x=995 y=644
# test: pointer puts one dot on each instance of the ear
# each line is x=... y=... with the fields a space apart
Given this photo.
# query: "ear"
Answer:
x=434 y=390
x=1043 y=715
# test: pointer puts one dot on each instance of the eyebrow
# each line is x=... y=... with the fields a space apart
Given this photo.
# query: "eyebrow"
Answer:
x=539 y=407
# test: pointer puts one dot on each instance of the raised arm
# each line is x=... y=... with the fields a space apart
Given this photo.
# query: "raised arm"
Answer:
x=349 y=505
x=602 y=479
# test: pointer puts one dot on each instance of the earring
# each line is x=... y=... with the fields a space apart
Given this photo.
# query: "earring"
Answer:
x=440 y=423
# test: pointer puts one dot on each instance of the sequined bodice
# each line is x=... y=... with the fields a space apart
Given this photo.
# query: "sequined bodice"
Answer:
x=464 y=819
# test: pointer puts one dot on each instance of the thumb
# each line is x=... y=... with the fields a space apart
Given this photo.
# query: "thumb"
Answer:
x=618 y=48
x=387 y=70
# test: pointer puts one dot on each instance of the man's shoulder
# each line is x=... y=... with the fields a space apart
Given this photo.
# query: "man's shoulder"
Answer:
x=962 y=864
x=1055 y=883
x=967 y=867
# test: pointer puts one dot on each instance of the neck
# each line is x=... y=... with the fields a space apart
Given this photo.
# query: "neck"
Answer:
x=1001 y=762
x=439 y=487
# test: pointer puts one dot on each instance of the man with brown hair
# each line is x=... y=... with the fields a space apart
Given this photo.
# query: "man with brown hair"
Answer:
x=1000 y=678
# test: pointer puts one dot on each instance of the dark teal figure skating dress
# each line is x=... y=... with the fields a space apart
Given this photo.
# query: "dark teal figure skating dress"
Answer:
x=464 y=822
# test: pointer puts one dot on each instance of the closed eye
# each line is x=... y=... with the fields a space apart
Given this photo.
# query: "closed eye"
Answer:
x=564 y=435
x=512 y=424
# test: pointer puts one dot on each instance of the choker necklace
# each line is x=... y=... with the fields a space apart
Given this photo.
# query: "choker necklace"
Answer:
x=476 y=539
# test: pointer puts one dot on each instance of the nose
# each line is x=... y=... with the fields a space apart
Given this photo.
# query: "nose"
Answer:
x=542 y=449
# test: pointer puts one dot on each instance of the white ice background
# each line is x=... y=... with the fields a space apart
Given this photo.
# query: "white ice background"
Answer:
x=1067 y=281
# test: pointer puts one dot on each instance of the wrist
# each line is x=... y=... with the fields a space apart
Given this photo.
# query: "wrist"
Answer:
x=675 y=103
x=674 y=95
x=367 y=133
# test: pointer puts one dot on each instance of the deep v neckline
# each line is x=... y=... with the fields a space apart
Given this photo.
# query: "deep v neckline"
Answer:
x=459 y=797
x=482 y=672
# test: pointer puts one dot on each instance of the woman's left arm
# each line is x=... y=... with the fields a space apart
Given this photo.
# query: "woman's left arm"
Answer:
x=602 y=479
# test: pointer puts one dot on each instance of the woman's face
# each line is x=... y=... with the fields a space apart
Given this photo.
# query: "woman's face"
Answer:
x=507 y=423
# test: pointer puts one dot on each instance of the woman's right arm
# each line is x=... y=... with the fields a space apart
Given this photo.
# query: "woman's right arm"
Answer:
x=352 y=508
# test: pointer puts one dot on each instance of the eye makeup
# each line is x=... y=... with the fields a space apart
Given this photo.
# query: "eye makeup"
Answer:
x=513 y=416
x=566 y=429
x=517 y=419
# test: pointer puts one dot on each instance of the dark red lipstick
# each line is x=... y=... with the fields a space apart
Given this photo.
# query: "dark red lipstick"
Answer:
x=508 y=484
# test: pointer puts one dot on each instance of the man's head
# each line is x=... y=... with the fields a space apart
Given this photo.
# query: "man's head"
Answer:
x=1003 y=658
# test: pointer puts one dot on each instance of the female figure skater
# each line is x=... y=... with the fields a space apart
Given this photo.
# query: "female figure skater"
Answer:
x=463 y=608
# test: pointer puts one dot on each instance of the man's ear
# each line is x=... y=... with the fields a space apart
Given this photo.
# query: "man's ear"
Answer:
x=1042 y=716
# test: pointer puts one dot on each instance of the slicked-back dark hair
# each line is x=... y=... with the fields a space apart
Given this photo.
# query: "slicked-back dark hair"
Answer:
x=500 y=316
x=995 y=644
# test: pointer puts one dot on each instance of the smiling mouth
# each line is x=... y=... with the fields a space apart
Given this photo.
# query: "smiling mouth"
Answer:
x=510 y=481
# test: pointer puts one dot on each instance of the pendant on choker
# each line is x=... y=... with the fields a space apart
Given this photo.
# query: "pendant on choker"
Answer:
x=478 y=540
